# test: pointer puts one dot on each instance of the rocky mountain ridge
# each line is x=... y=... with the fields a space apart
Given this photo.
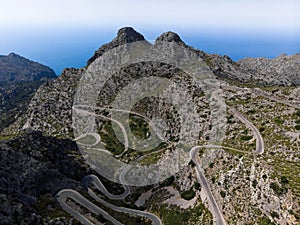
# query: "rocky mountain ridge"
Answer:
x=15 y=68
x=62 y=90
x=283 y=70
x=125 y=35
x=19 y=80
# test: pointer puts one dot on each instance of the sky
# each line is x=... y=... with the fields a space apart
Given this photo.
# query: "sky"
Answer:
x=65 y=33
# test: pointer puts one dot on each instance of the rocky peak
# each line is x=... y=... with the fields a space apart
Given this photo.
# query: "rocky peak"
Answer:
x=12 y=54
x=125 y=35
x=170 y=37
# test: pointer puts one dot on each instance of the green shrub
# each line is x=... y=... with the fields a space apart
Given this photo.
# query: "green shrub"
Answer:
x=188 y=195
x=213 y=180
x=297 y=127
x=265 y=221
x=252 y=111
x=274 y=214
x=197 y=186
x=254 y=183
x=262 y=129
x=277 y=189
x=278 y=121
x=139 y=127
x=284 y=180
x=246 y=138
x=167 y=182
x=223 y=194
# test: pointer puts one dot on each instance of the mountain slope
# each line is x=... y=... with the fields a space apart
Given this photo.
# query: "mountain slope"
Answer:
x=19 y=79
x=14 y=100
x=59 y=93
x=34 y=167
x=52 y=103
x=15 y=68
x=283 y=70
x=125 y=35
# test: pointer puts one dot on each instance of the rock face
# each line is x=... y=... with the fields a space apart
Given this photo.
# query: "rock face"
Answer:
x=14 y=100
x=170 y=37
x=125 y=35
x=32 y=165
x=283 y=70
x=15 y=68
x=19 y=79
x=222 y=66
x=50 y=108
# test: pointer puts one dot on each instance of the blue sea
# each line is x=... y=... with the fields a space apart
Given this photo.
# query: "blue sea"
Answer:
x=72 y=47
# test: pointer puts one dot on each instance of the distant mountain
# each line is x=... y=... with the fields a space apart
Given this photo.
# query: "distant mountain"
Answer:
x=15 y=68
x=19 y=79
x=283 y=70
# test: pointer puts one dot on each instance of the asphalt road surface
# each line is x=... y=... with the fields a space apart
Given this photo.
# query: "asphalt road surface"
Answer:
x=214 y=208
x=259 y=140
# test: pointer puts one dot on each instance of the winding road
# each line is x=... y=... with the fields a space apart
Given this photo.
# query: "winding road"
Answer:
x=92 y=179
x=63 y=195
x=97 y=136
x=259 y=140
x=213 y=206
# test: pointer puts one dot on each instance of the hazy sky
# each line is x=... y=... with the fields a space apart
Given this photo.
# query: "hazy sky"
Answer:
x=54 y=26
x=270 y=14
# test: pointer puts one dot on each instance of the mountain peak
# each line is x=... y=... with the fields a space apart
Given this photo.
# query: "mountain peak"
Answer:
x=125 y=35
x=128 y=34
x=170 y=37
x=12 y=54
